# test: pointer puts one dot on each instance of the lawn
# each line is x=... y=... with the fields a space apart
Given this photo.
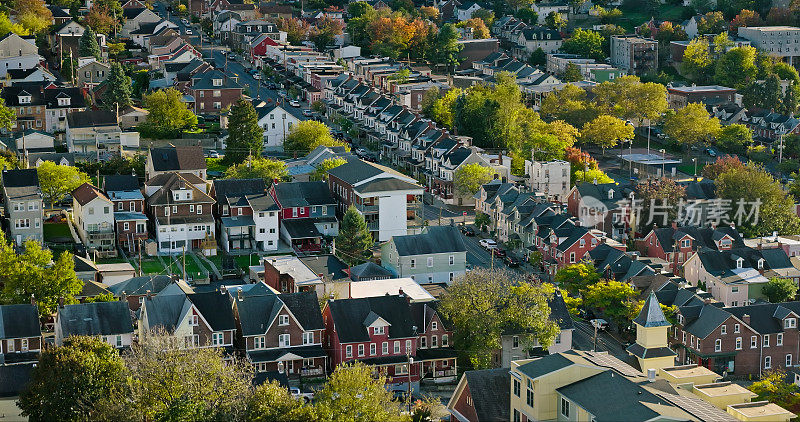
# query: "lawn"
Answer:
x=117 y=260
x=152 y=266
x=56 y=232
x=192 y=269
x=215 y=164
x=244 y=261
x=632 y=18
x=206 y=265
x=216 y=259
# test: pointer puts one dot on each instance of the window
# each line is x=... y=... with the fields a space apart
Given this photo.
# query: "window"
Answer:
x=373 y=349
x=174 y=209
x=514 y=342
x=193 y=321
x=308 y=337
x=452 y=260
x=348 y=351
x=216 y=339
x=717 y=345
x=434 y=341
x=434 y=326
x=191 y=207
x=413 y=263
x=517 y=386
x=735 y=289
x=408 y=346
x=199 y=209
x=397 y=347
x=379 y=331
x=445 y=340
x=529 y=397
x=105 y=210
x=737 y=328
x=430 y=261
x=401 y=369
x=788 y=360
x=192 y=340
x=385 y=348
x=724 y=329
x=120 y=206
x=738 y=343
x=361 y=350
x=517 y=416
x=572 y=257
x=10 y=346
x=753 y=342
x=126 y=226
x=790 y=323
x=259 y=342
x=283 y=320
x=91 y=211
x=767 y=362
x=564 y=407
x=284 y=340
x=24 y=344
x=766 y=340
x=423 y=342
x=779 y=340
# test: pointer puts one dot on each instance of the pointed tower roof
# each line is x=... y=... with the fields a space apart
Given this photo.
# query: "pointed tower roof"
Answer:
x=651 y=314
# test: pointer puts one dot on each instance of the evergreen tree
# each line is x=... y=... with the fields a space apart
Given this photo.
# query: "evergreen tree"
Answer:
x=790 y=100
x=87 y=45
x=66 y=66
x=448 y=47
x=118 y=93
x=354 y=239
x=245 y=137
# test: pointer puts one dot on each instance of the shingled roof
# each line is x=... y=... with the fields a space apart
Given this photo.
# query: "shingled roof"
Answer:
x=185 y=158
x=651 y=314
x=491 y=396
x=349 y=316
x=95 y=319
x=17 y=321
x=435 y=239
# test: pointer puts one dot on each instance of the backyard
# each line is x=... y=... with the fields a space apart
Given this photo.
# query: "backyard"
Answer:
x=193 y=269
x=56 y=232
x=152 y=266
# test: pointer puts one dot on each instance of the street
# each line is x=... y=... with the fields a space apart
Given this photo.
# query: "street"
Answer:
x=583 y=338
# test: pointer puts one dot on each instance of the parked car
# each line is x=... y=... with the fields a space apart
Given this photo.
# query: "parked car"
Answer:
x=188 y=31
x=467 y=231
x=488 y=244
x=711 y=152
x=361 y=152
x=294 y=103
x=500 y=253
x=213 y=154
x=307 y=112
x=511 y=261
x=304 y=395
x=599 y=323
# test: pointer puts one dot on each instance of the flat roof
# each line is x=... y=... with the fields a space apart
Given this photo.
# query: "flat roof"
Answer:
x=686 y=371
x=292 y=265
x=774 y=28
x=390 y=286
x=760 y=409
x=650 y=159
x=700 y=88
x=718 y=389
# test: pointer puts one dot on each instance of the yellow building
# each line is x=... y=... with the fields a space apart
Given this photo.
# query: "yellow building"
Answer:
x=688 y=374
x=760 y=411
x=651 y=348
x=723 y=394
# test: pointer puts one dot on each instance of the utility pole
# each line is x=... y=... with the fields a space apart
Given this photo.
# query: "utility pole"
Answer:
x=184 y=261
x=780 y=153
x=140 y=257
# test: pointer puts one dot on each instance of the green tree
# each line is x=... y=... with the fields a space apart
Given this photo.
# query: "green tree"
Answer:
x=482 y=220
x=606 y=131
x=734 y=137
x=8 y=117
x=103 y=297
x=69 y=380
x=661 y=194
x=321 y=172
x=307 y=135
x=569 y=104
x=537 y=58
x=271 y=402
x=616 y=300
x=572 y=73
x=576 y=278
x=586 y=43
x=168 y=114
x=447 y=47
x=469 y=178
x=780 y=289
x=7 y=26
x=401 y=76
x=245 y=136
x=428 y=100
x=527 y=15
x=628 y=98
x=590 y=176
x=691 y=125
x=87 y=44
x=555 y=20
x=258 y=168
x=750 y=185
x=486 y=15
x=358 y=9
x=354 y=240
x=118 y=94
x=442 y=109
x=352 y=393
x=486 y=303
x=696 y=60
x=775 y=388
x=736 y=67
x=786 y=71
x=712 y=23
x=56 y=181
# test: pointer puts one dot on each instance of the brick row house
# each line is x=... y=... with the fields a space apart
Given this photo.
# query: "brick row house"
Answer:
x=677 y=244
x=128 y=206
x=247 y=216
x=42 y=105
x=213 y=91
x=307 y=214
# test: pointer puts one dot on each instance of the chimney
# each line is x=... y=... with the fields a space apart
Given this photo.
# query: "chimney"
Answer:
x=33 y=300
x=651 y=374
x=61 y=302
x=223 y=290
x=401 y=293
x=239 y=294
x=674 y=225
x=124 y=296
x=149 y=294
x=746 y=319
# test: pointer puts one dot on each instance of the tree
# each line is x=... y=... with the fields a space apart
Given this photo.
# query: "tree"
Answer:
x=479 y=29
x=610 y=15
x=35 y=273
x=586 y=43
x=296 y=29
x=33 y=15
x=57 y=181
x=697 y=60
x=616 y=300
x=352 y=393
x=118 y=94
x=780 y=16
x=660 y=200
x=572 y=73
x=354 y=240
x=100 y=20
x=576 y=278
x=486 y=15
x=486 y=303
x=7 y=26
x=555 y=20
x=590 y=176
x=786 y=71
x=734 y=137
x=447 y=47
x=87 y=44
x=722 y=165
x=430 y=12
x=711 y=23
x=691 y=125
x=245 y=136
x=401 y=76
x=537 y=58
x=528 y=16
x=7 y=116
x=569 y=104
x=69 y=380
x=258 y=168
x=774 y=387
x=325 y=31
x=745 y=18
x=780 y=289
x=271 y=402
x=628 y=98
x=754 y=185
x=736 y=67
x=442 y=109
x=722 y=43
x=469 y=178
x=168 y=114
x=307 y=135
x=321 y=172
x=358 y=9
x=606 y=131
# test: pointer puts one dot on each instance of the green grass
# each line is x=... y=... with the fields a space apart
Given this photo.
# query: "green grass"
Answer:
x=206 y=265
x=632 y=18
x=54 y=231
x=152 y=266
x=688 y=169
x=216 y=259
x=117 y=260
x=244 y=261
x=192 y=269
x=215 y=164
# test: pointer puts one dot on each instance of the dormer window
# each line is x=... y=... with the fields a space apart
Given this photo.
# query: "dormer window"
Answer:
x=216 y=82
x=379 y=331
x=611 y=194
x=761 y=264
x=790 y=323
x=63 y=102
x=24 y=99
x=739 y=262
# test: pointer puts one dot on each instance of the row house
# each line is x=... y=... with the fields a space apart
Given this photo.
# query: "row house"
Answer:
x=382 y=332
x=112 y=322
x=20 y=334
x=181 y=213
x=97 y=135
x=93 y=215
x=617 y=264
x=65 y=39
x=247 y=215
x=386 y=198
x=196 y=320
x=128 y=205
x=172 y=159
x=676 y=245
x=245 y=32
x=144 y=35
x=770 y=125
x=306 y=214
x=281 y=333
x=23 y=205
x=42 y=105
x=135 y=18
x=17 y=53
x=604 y=206
x=213 y=91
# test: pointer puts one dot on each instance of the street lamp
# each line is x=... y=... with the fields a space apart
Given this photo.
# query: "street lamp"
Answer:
x=410 y=363
x=663 y=167
x=284 y=127
x=694 y=160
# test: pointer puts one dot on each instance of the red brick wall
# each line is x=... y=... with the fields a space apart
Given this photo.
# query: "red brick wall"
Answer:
x=465 y=409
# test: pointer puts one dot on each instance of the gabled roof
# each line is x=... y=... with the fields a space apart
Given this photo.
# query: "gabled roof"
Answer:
x=18 y=321
x=491 y=396
x=229 y=191
x=702 y=320
x=369 y=269
x=95 y=319
x=435 y=239
x=120 y=183
x=303 y=194
x=80 y=119
x=349 y=316
x=178 y=158
x=85 y=193
x=21 y=184
x=176 y=181
x=766 y=318
x=545 y=365
x=216 y=308
x=141 y=285
x=258 y=312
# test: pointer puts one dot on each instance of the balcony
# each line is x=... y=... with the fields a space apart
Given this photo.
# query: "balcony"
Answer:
x=372 y=226
x=100 y=234
x=312 y=372
x=367 y=209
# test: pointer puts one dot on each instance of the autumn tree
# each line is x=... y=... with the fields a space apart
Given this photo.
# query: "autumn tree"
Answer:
x=479 y=28
x=100 y=20
x=722 y=165
x=712 y=23
x=324 y=32
x=745 y=18
x=33 y=15
x=660 y=199
x=296 y=29
x=606 y=131
x=775 y=388
x=691 y=125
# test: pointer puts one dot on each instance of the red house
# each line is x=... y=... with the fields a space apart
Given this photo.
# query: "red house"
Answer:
x=382 y=332
x=677 y=244
x=258 y=46
x=307 y=213
x=129 y=218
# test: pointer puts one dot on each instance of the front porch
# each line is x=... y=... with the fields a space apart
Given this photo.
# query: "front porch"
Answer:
x=302 y=235
x=294 y=362
x=438 y=365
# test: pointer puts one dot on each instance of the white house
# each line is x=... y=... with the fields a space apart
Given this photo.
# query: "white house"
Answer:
x=466 y=9
x=93 y=214
x=277 y=122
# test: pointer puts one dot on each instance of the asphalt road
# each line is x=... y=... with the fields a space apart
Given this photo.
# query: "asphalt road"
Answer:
x=582 y=339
